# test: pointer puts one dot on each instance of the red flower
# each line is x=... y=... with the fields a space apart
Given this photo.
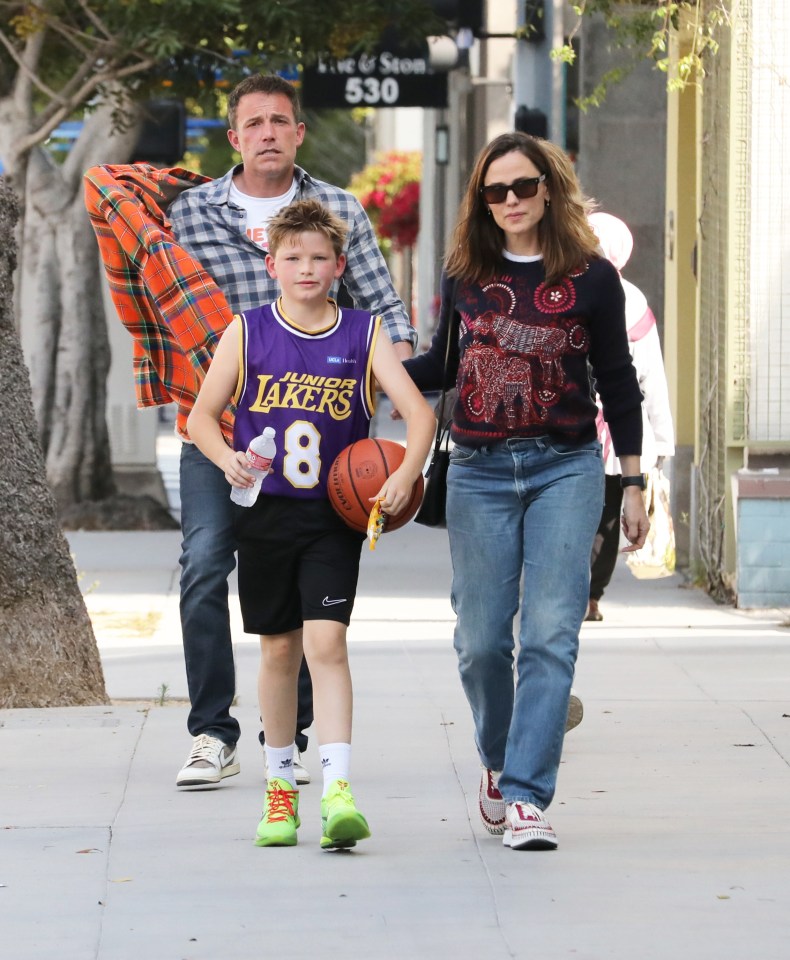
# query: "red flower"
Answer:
x=390 y=193
x=400 y=219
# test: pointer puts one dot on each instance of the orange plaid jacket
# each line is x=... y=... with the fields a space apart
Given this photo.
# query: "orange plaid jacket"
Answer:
x=170 y=305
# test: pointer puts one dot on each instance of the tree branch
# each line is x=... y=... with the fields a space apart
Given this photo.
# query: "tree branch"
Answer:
x=79 y=97
x=77 y=38
x=65 y=99
x=107 y=53
x=26 y=78
x=94 y=19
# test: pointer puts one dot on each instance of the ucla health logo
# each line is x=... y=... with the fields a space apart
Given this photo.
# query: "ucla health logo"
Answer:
x=341 y=360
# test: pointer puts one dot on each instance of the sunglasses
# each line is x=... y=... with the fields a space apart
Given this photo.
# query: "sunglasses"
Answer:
x=524 y=188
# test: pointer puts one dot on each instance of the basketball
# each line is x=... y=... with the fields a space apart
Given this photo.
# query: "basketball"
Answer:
x=358 y=473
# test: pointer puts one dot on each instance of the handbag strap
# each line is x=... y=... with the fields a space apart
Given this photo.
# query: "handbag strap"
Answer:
x=448 y=309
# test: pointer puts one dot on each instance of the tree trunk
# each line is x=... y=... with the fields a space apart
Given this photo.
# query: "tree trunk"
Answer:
x=62 y=320
x=48 y=654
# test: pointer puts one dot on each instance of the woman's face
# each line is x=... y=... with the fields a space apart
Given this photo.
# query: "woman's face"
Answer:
x=518 y=218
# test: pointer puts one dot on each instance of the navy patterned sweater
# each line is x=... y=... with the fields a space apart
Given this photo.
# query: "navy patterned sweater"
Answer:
x=526 y=355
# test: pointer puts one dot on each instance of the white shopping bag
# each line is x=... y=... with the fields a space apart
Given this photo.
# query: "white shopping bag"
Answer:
x=657 y=557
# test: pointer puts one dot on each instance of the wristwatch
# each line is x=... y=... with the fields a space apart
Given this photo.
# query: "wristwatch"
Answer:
x=636 y=481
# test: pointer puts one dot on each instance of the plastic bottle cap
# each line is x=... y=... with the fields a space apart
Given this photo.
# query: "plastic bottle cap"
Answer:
x=268 y=431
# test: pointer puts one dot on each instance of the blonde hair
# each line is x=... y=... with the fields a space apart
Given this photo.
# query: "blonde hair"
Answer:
x=566 y=238
x=306 y=216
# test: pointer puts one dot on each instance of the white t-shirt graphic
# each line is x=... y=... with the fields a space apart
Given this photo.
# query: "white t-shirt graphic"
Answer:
x=259 y=211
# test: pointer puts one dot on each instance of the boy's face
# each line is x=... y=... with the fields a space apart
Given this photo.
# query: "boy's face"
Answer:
x=306 y=267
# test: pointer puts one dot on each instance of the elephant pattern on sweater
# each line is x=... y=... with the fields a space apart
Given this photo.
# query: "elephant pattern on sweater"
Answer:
x=498 y=369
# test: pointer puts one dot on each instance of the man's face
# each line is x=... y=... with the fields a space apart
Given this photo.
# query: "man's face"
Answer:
x=266 y=135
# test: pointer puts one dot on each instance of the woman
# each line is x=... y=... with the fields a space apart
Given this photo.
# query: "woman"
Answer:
x=533 y=304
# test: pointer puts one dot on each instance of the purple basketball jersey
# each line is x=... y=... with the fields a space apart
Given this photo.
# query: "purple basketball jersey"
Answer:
x=315 y=389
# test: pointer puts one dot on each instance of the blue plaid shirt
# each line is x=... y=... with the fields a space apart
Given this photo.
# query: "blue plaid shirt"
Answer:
x=211 y=229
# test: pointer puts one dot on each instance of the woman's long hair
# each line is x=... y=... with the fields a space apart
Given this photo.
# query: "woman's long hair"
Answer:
x=566 y=239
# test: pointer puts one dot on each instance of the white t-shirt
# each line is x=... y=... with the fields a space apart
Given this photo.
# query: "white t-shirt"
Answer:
x=522 y=257
x=259 y=211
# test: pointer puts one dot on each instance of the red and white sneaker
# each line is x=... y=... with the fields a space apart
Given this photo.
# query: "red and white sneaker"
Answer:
x=526 y=828
x=491 y=804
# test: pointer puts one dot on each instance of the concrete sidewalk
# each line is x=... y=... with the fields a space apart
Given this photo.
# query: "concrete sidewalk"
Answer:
x=671 y=812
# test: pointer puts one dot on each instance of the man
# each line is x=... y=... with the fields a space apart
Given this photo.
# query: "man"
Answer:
x=221 y=224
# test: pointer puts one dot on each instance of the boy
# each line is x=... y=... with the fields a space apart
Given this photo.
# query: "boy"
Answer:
x=305 y=367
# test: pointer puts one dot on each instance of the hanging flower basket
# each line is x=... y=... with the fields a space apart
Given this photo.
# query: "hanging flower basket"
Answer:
x=389 y=190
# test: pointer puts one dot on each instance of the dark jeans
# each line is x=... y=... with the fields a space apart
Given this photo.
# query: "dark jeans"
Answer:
x=607 y=539
x=207 y=559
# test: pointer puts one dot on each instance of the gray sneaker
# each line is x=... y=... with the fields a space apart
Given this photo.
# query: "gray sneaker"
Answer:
x=302 y=776
x=575 y=712
x=210 y=761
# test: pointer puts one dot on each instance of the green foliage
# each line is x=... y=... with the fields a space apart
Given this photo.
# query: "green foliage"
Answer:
x=644 y=28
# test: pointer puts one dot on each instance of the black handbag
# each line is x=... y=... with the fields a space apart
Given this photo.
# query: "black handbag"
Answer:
x=433 y=509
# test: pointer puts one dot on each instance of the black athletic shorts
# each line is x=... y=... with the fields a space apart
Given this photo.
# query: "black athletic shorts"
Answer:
x=297 y=561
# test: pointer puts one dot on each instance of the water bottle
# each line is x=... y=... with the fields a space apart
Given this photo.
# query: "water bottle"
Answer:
x=260 y=454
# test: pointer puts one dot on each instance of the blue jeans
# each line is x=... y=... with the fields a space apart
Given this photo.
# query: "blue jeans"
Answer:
x=207 y=559
x=521 y=517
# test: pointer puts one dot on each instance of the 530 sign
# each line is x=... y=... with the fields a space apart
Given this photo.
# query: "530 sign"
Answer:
x=372 y=91
x=380 y=80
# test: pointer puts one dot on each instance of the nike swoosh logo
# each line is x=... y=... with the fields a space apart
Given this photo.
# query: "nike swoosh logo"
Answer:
x=328 y=603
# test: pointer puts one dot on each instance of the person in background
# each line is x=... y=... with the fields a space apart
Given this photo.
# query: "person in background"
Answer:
x=533 y=302
x=291 y=541
x=658 y=434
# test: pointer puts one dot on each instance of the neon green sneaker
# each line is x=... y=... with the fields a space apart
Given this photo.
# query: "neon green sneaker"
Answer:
x=280 y=815
x=341 y=823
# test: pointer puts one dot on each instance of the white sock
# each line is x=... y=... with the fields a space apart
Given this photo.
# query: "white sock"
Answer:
x=335 y=761
x=280 y=761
